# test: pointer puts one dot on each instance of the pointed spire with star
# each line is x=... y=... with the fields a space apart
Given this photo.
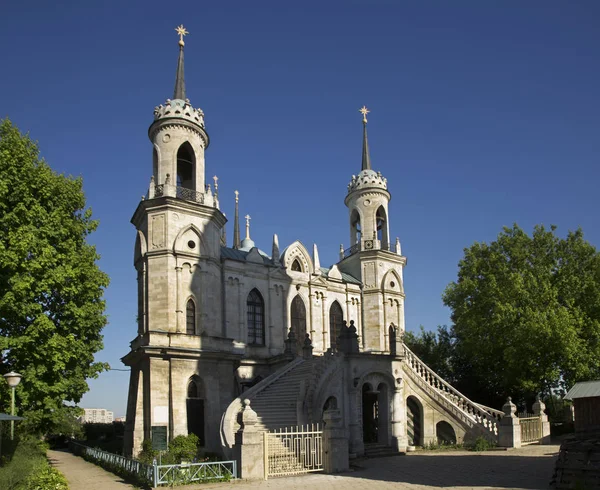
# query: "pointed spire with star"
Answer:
x=366 y=159
x=179 y=92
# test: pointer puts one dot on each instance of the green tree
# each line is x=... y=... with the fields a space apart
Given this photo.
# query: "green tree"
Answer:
x=51 y=289
x=526 y=313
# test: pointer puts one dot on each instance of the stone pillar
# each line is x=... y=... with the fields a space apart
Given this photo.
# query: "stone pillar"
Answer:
x=290 y=344
x=180 y=328
x=399 y=436
x=357 y=447
x=509 y=428
x=249 y=446
x=307 y=348
x=538 y=409
x=168 y=188
x=335 y=443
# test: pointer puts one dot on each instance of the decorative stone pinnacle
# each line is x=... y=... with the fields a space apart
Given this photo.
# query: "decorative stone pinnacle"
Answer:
x=182 y=32
x=216 y=180
x=364 y=111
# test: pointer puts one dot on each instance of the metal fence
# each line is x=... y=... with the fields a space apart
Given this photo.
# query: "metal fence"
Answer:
x=292 y=452
x=114 y=462
x=194 y=472
x=157 y=474
x=531 y=429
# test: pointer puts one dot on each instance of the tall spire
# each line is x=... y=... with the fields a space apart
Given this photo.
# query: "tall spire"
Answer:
x=366 y=159
x=179 y=92
x=236 y=223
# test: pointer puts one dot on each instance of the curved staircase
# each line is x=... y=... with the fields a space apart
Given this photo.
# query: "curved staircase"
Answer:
x=483 y=418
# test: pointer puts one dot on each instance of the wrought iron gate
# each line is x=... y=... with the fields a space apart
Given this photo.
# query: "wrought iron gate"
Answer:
x=293 y=450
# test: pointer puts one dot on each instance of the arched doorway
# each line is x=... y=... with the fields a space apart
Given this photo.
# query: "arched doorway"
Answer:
x=415 y=421
x=445 y=433
x=195 y=408
x=370 y=414
x=298 y=317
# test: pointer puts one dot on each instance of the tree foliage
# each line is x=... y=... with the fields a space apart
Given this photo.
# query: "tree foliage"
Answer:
x=526 y=314
x=51 y=289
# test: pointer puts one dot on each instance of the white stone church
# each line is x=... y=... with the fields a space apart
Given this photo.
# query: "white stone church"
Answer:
x=221 y=323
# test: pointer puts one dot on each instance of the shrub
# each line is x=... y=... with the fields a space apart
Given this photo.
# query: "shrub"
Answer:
x=182 y=448
x=482 y=444
x=147 y=454
x=45 y=479
x=29 y=469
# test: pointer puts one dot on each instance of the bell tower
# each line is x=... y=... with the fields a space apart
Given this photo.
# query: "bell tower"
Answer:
x=371 y=256
x=177 y=259
x=179 y=138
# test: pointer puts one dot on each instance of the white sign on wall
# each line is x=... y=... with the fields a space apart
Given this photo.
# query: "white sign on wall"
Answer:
x=161 y=415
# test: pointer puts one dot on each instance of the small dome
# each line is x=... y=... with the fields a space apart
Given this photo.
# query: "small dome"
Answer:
x=247 y=244
x=366 y=179
x=179 y=108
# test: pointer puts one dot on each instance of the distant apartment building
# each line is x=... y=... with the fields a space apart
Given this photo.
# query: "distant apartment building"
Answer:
x=97 y=416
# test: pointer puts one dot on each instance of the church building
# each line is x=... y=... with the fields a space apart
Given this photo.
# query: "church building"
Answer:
x=220 y=323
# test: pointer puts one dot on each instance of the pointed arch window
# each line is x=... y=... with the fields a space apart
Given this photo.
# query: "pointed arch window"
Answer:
x=298 y=317
x=190 y=317
x=256 y=318
x=336 y=322
x=296 y=266
x=195 y=408
x=186 y=163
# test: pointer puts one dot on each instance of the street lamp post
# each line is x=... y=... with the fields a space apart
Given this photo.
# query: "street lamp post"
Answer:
x=13 y=379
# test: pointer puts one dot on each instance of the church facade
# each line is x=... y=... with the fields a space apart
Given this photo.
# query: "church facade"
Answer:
x=219 y=323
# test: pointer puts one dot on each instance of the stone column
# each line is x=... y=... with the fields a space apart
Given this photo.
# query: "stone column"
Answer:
x=249 y=446
x=180 y=328
x=538 y=409
x=509 y=428
x=307 y=348
x=357 y=447
x=335 y=443
x=399 y=436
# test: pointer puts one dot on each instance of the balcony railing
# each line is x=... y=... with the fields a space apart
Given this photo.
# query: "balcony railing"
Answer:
x=352 y=250
x=368 y=245
x=179 y=192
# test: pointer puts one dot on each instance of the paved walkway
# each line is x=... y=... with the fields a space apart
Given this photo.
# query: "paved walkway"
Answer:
x=527 y=468
x=82 y=475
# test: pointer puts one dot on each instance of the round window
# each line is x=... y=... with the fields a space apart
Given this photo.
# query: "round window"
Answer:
x=392 y=284
x=192 y=244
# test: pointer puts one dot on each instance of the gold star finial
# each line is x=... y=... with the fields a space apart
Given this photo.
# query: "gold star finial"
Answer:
x=182 y=32
x=364 y=111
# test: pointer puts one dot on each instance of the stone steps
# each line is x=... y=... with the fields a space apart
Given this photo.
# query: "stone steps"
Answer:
x=376 y=450
x=275 y=406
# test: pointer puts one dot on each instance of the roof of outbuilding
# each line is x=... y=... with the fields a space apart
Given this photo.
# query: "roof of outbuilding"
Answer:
x=584 y=389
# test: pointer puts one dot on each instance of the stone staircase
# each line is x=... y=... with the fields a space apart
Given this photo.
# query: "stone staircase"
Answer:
x=484 y=418
x=276 y=405
x=377 y=450
x=274 y=400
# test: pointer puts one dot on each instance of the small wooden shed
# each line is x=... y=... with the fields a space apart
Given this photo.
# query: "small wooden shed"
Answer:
x=586 y=402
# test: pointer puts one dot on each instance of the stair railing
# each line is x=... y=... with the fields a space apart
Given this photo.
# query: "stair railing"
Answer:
x=484 y=416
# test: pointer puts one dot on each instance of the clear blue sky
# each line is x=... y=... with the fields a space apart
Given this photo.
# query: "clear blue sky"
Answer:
x=483 y=113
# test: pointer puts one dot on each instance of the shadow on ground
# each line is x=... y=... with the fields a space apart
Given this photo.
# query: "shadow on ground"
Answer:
x=461 y=470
